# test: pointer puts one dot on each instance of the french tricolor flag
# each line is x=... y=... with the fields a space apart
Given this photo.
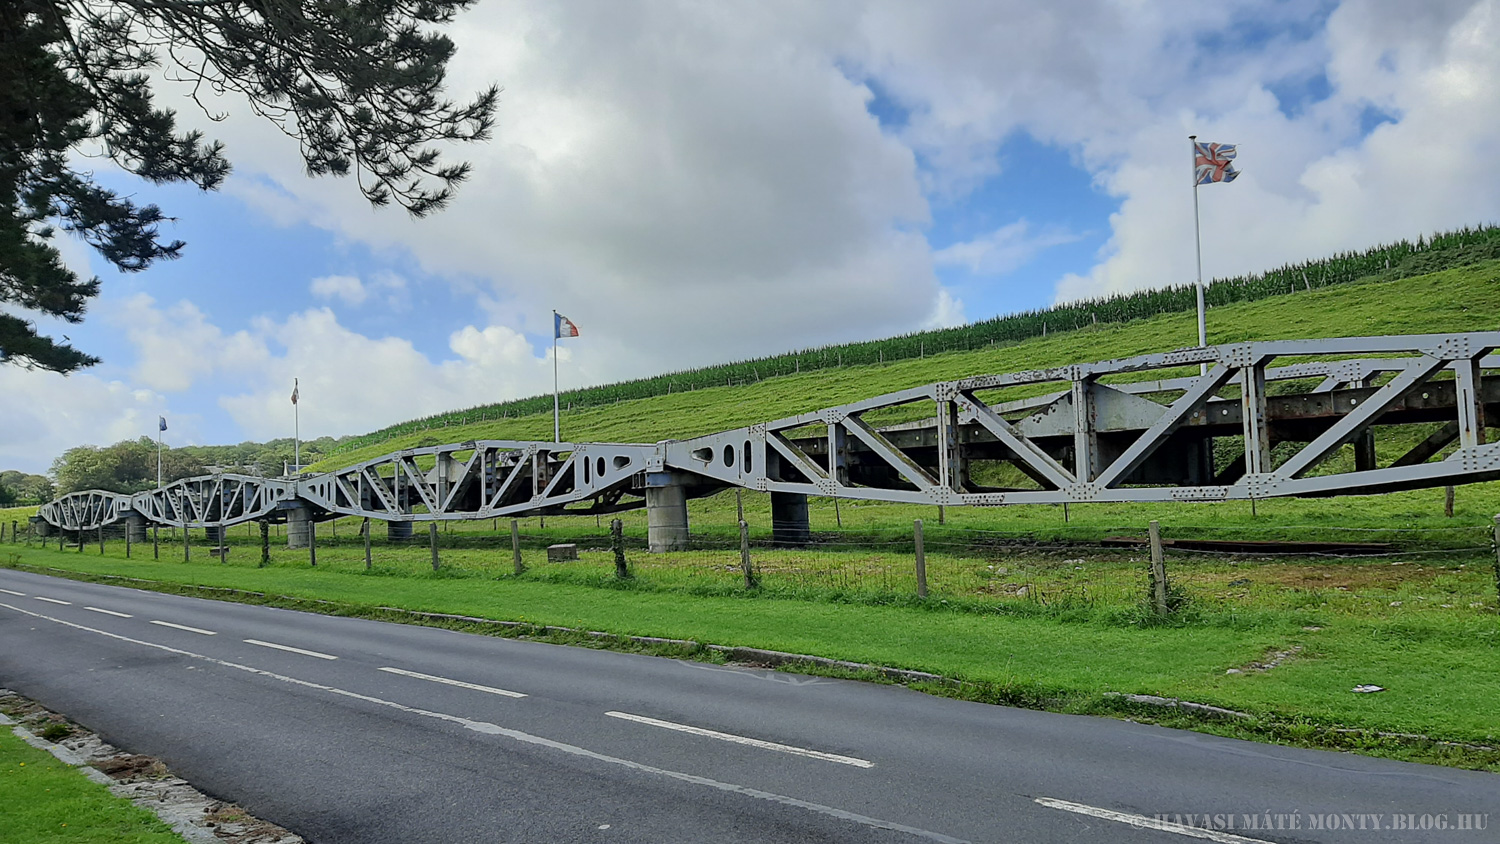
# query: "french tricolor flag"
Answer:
x=562 y=326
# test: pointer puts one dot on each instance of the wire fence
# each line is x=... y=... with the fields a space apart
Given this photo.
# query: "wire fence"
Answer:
x=1204 y=568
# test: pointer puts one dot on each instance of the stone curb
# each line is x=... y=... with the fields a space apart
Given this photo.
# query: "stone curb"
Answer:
x=173 y=800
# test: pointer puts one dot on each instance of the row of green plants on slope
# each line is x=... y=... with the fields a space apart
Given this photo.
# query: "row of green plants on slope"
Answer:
x=1398 y=260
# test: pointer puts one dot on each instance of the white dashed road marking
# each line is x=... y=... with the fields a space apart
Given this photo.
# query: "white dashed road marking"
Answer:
x=486 y=728
x=185 y=627
x=288 y=648
x=54 y=601
x=109 y=612
x=1143 y=822
x=17 y=594
x=763 y=745
x=461 y=684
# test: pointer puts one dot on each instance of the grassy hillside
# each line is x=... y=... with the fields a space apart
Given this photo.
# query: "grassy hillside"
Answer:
x=1387 y=262
x=1463 y=299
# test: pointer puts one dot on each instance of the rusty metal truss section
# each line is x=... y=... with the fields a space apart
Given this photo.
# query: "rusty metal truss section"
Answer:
x=1263 y=419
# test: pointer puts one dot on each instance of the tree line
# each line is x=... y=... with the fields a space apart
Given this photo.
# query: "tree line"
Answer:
x=21 y=488
x=129 y=466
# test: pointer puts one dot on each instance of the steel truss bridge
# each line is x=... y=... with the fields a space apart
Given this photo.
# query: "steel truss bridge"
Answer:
x=1232 y=422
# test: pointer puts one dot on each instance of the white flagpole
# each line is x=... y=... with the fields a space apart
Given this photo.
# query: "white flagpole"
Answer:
x=1198 y=241
x=158 y=452
x=556 y=417
x=297 y=428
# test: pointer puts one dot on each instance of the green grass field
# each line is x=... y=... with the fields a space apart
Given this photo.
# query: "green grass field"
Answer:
x=41 y=799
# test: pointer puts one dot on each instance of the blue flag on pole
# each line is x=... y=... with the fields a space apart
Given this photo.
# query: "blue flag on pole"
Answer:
x=161 y=423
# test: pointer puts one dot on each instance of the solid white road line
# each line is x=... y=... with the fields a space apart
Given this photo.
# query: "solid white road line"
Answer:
x=487 y=728
x=54 y=601
x=109 y=612
x=763 y=745
x=461 y=684
x=1143 y=822
x=181 y=627
x=17 y=594
x=288 y=648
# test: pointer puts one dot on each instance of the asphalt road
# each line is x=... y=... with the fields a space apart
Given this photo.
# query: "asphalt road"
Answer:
x=346 y=730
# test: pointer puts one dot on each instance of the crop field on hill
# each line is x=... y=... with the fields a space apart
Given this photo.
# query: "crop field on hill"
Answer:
x=1463 y=299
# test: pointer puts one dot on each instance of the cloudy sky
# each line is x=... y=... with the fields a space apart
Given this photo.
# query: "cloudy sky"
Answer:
x=694 y=182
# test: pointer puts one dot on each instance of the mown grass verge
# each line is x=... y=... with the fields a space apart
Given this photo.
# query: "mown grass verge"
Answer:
x=44 y=800
x=1438 y=670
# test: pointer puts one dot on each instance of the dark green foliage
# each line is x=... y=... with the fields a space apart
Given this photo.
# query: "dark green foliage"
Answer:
x=130 y=465
x=24 y=488
x=1399 y=260
x=358 y=85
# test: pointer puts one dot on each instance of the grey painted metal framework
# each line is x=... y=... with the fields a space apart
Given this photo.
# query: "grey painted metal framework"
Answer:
x=1147 y=428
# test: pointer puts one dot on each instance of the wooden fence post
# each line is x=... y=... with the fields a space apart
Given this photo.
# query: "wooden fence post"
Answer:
x=127 y=540
x=1497 y=557
x=1448 y=501
x=365 y=529
x=265 y=543
x=101 y=539
x=617 y=544
x=1158 y=570
x=187 y=551
x=745 y=555
x=155 y=542
x=921 y=559
x=312 y=541
x=432 y=540
x=515 y=546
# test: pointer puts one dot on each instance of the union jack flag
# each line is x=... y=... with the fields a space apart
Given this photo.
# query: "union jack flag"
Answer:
x=1211 y=163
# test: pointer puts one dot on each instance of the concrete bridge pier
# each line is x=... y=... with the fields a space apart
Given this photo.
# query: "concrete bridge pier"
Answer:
x=298 y=527
x=135 y=528
x=398 y=531
x=214 y=534
x=41 y=527
x=789 y=520
x=666 y=512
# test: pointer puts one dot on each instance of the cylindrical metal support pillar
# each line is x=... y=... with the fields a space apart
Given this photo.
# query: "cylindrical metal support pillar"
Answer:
x=135 y=529
x=666 y=513
x=398 y=531
x=298 y=527
x=789 y=522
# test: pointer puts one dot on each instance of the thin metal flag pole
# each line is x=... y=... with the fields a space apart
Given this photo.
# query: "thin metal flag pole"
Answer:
x=159 y=428
x=556 y=417
x=296 y=429
x=1198 y=242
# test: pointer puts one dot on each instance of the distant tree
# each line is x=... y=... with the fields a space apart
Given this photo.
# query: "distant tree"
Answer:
x=358 y=84
x=127 y=466
x=8 y=496
x=29 y=489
